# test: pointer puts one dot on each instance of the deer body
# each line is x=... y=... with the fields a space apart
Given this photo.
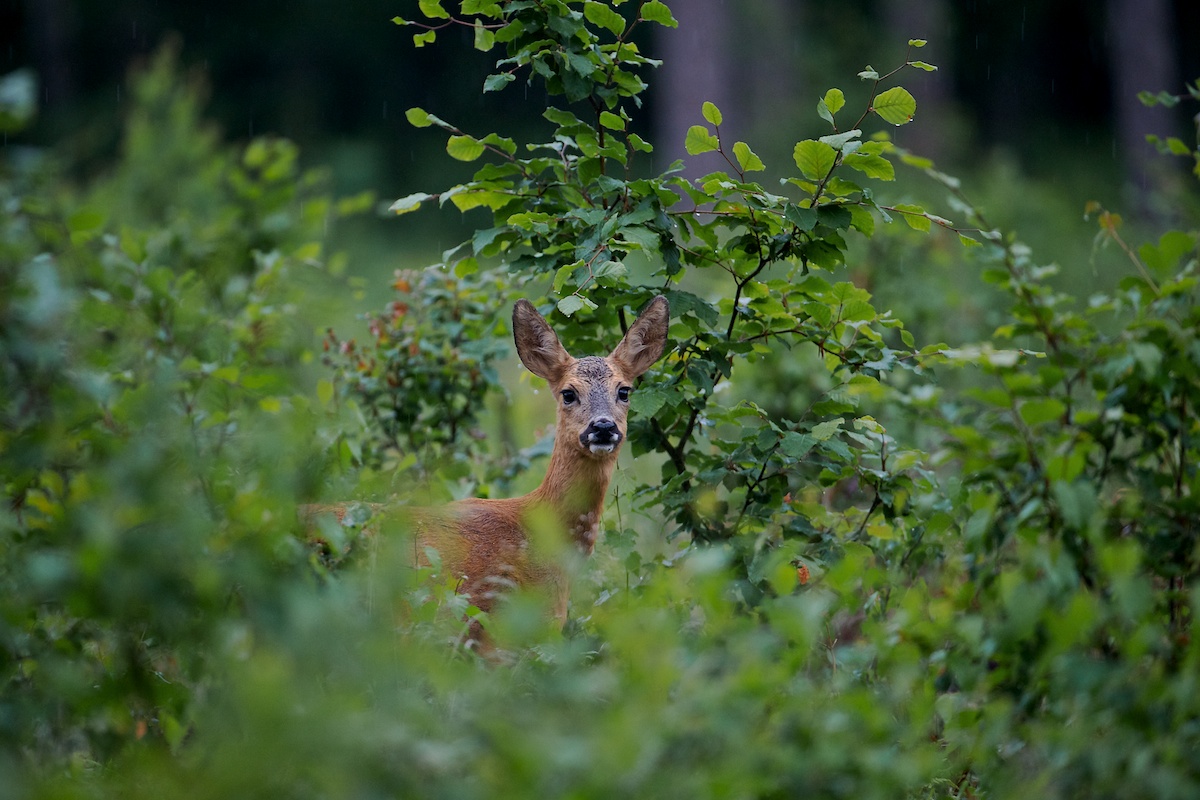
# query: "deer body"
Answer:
x=489 y=543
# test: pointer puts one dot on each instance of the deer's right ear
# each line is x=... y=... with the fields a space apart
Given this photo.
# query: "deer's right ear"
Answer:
x=537 y=345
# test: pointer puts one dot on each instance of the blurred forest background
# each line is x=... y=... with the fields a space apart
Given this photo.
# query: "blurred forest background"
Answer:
x=1040 y=92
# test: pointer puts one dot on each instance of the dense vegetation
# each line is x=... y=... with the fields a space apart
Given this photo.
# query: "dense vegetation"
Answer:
x=844 y=563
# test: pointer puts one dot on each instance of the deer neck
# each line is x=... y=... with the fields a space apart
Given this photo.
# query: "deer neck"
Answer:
x=574 y=487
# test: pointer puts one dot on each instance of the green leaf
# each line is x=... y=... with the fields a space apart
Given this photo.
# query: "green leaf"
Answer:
x=563 y=275
x=746 y=158
x=834 y=100
x=410 y=203
x=805 y=219
x=464 y=148
x=923 y=65
x=825 y=430
x=795 y=445
x=915 y=216
x=640 y=144
x=422 y=39
x=656 y=11
x=418 y=117
x=839 y=141
x=711 y=113
x=917 y=42
x=494 y=83
x=573 y=303
x=871 y=166
x=611 y=121
x=399 y=20
x=699 y=140
x=433 y=9
x=484 y=38
x=896 y=105
x=815 y=159
x=869 y=74
x=604 y=16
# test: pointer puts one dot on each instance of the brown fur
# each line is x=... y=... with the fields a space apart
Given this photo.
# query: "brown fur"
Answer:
x=492 y=544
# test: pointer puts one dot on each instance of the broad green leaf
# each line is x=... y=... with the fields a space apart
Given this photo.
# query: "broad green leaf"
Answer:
x=804 y=219
x=399 y=20
x=573 y=303
x=815 y=159
x=433 y=9
x=795 y=445
x=862 y=220
x=840 y=141
x=834 y=100
x=422 y=39
x=746 y=158
x=869 y=74
x=484 y=38
x=916 y=42
x=564 y=274
x=466 y=200
x=640 y=144
x=610 y=269
x=896 y=105
x=871 y=166
x=656 y=11
x=418 y=117
x=604 y=16
x=825 y=430
x=699 y=140
x=914 y=215
x=923 y=65
x=464 y=148
x=611 y=121
x=711 y=113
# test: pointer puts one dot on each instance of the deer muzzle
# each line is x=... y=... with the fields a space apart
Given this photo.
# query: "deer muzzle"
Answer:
x=601 y=436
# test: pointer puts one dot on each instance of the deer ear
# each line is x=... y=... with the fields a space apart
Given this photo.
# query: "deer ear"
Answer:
x=645 y=340
x=539 y=349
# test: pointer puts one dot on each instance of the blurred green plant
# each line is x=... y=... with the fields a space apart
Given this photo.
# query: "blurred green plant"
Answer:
x=149 y=344
x=421 y=380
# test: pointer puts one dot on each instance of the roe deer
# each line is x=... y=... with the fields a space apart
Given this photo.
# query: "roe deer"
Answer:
x=487 y=542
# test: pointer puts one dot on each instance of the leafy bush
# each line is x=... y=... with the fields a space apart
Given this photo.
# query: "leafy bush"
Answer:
x=149 y=362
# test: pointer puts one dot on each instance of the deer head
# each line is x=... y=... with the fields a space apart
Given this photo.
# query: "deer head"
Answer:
x=592 y=392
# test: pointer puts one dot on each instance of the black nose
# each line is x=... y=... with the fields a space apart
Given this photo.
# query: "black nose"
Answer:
x=600 y=431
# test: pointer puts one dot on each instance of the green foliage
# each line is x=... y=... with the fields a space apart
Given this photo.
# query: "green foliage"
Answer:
x=149 y=366
x=791 y=599
x=421 y=381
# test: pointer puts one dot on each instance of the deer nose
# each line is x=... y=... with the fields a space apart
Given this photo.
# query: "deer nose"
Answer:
x=601 y=435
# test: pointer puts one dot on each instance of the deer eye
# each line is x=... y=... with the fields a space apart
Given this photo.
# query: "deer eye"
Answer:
x=569 y=396
x=623 y=394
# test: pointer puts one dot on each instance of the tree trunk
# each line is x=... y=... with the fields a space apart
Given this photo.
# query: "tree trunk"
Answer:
x=1143 y=59
x=698 y=65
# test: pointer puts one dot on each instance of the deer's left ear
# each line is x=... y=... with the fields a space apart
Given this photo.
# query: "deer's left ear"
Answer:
x=645 y=340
